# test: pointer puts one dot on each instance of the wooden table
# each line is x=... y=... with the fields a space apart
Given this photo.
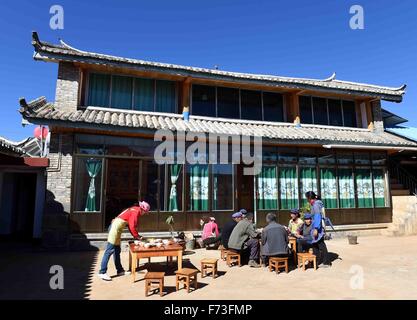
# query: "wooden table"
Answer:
x=293 y=245
x=137 y=252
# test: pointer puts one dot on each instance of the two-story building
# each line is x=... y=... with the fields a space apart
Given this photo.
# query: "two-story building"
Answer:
x=323 y=135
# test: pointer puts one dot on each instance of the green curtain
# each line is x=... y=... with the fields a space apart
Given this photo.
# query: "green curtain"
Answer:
x=165 y=96
x=288 y=187
x=308 y=180
x=199 y=187
x=98 y=90
x=222 y=186
x=364 y=188
x=121 y=92
x=328 y=186
x=144 y=94
x=346 y=188
x=175 y=173
x=267 y=188
x=93 y=167
x=379 y=187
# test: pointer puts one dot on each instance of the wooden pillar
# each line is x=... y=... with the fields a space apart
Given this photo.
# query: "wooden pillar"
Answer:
x=185 y=94
x=369 y=115
x=293 y=108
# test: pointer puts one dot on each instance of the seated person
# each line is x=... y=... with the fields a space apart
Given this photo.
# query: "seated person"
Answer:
x=304 y=234
x=295 y=222
x=244 y=238
x=274 y=239
x=228 y=228
x=210 y=234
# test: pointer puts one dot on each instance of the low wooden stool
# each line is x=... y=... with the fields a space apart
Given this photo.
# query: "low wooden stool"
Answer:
x=233 y=257
x=153 y=281
x=209 y=265
x=278 y=263
x=306 y=257
x=188 y=276
x=223 y=253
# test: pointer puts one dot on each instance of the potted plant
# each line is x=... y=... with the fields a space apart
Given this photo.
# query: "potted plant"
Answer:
x=170 y=222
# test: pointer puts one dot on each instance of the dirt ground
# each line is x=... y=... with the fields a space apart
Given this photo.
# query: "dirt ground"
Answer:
x=376 y=268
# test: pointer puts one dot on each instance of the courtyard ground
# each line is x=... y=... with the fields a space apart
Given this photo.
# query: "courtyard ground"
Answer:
x=377 y=268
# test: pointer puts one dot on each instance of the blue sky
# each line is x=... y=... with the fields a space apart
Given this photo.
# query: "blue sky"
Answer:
x=297 y=38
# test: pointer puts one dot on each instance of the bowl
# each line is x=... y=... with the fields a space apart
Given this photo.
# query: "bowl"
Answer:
x=147 y=245
x=165 y=242
x=136 y=242
x=159 y=244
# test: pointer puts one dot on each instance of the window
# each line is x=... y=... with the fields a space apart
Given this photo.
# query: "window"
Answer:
x=88 y=184
x=346 y=188
x=349 y=114
x=328 y=187
x=364 y=188
x=204 y=101
x=131 y=93
x=320 y=111
x=149 y=183
x=251 y=105
x=379 y=188
x=308 y=181
x=98 y=90
x=228 y=103
x=288 y=187
x=305 y=110
x=223 y=189
x=335 y=112
x=324 y=111
x=273 y=106
x=267 y=194
x=198 y=180
x=171 y=188
x=307 y=156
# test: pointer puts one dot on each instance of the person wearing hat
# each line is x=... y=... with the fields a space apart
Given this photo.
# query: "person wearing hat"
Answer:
x=210 y=234
x=295 y=222
x=130 y=218
x=304 y=234
x=228 y=228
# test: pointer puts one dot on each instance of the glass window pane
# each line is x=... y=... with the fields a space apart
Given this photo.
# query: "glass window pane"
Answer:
x=204 y=101
x=326 y=156
x=362 y=157
x=273 y=106
x=171 y=187
x=307 y=156
x=165 y=96
x=288 y=187
x=149 y=184
x=144 y=94
x=222 y=186
x=308 y=182
x=349 y=114
x=288 y=155
x=121 y=92
x=269 y=153
x=320 y=111
x=98 y=90
x=346 y=188
x=267 y=195
x=328 y=186
x=335 y=112
x=344 y=157
x=364 y=188
x=88 y=181
x=198 y=179
x=251 y=105
x=379 y=188
x=228 y=103
x=379 y=158
x=90 y=149
x=305 y=110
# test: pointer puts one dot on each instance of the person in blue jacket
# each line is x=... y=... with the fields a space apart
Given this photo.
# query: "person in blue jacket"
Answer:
x=317 y=231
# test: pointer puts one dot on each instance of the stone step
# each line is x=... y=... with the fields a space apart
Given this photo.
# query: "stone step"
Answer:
x=400 y=192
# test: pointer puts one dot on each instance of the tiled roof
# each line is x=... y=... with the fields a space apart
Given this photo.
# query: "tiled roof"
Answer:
x=63 y=52
x=10 y=147
x=40 y=111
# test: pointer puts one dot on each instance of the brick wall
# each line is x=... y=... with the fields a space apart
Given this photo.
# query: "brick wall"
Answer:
x=67 y=86
x=377 y=115
x=58 y=194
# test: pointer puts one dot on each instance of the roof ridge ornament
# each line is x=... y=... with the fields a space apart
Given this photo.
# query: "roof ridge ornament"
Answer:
x=67 y=46
x=331 y=78
x=36 y=42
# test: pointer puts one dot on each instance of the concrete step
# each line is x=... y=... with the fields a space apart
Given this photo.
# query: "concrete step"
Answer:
x=400 y=192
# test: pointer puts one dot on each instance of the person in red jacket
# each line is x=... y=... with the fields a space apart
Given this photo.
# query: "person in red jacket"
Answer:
x=129 y=218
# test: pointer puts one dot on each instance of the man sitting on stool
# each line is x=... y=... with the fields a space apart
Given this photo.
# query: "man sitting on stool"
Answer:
x=244 y=238
x=274 y=239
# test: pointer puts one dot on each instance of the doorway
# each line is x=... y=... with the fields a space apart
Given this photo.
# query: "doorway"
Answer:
x=122 y=187
x=245 y=189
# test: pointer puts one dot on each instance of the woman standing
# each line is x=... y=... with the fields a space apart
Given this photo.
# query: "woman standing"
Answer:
x=319 y=246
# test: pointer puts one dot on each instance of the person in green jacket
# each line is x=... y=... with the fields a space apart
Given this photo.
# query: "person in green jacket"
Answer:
x=244 y=238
